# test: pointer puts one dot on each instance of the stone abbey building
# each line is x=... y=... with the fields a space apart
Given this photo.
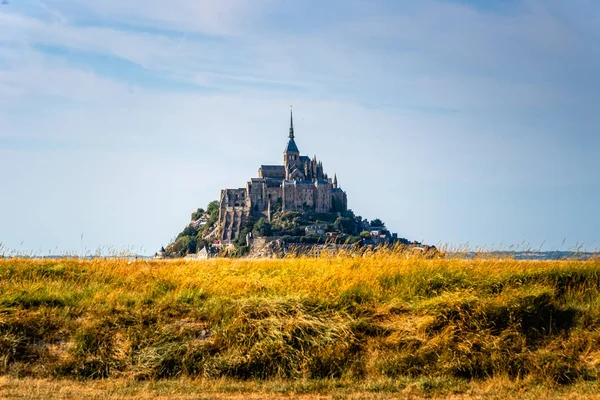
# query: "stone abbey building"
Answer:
x=300 y=184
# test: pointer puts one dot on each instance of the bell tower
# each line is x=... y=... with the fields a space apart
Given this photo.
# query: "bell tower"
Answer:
x=291 y=154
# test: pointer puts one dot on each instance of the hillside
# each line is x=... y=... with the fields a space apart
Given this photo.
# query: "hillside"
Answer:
x=382 y=319
x=289 y=227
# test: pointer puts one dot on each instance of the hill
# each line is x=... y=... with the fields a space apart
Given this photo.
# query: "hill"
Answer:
x=307 y=228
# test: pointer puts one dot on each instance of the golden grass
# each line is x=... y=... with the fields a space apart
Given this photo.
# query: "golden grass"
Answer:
x=373 y=325
x=187 y=389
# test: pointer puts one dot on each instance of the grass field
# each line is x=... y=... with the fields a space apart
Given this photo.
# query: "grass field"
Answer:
x=371 y=326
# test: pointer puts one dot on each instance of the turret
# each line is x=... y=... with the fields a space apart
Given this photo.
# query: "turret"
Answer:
x=335 y=183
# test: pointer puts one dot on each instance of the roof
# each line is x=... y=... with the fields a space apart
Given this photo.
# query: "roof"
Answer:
x=272 y=167
x=273 y=183
x=304 y=158
x=291 y=147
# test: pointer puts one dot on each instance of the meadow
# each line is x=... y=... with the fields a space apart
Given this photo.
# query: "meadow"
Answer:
x=372 y=325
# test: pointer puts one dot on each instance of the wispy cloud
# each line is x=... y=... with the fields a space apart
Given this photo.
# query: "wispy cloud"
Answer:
x=219 y=18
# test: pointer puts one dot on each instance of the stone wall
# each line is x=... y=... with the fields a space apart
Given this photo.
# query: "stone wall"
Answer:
x=234 y=207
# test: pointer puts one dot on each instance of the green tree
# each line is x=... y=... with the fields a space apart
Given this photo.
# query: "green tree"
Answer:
x=365 y=234
x=276 y=228
x=348 y=214
x=213 y=210
x=197 y=214
x=188 y=244
x=213 y=215
x=345 y=224
x=201 y=243
x=292 y=216
x=188 y=231
x=298 y=231
x=262 y=227
x=277 y=205
x=182 y=246
x=377 y=223
x=353 y=239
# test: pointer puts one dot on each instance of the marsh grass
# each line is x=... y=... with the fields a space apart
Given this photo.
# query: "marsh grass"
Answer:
x=383 y=319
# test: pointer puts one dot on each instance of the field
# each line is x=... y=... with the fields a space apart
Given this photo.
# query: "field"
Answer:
x=369 y=326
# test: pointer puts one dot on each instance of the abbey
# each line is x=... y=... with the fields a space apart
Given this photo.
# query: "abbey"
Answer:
x=300 y=184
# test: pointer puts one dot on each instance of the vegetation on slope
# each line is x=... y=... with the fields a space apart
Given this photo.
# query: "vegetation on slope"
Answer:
x=376 y=316
x=193 y=236
x=289 y=225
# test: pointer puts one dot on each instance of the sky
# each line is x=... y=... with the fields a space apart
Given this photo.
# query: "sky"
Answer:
x=457 y=122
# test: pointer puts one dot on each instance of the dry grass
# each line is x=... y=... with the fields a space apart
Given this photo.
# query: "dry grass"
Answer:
x=370 y=326
x=187 y=389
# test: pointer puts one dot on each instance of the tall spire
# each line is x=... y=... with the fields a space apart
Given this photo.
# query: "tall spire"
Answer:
x=291 y=124
x=335 y=184
x=291 y=146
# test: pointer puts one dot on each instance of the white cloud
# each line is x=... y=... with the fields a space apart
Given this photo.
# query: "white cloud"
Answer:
x=204 y=62
x=417 y=58
x=144 y=49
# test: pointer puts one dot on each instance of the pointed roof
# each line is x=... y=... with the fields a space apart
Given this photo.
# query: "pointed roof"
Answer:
x=291 y=146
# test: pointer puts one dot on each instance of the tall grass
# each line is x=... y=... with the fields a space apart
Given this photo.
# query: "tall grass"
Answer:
x=381 y=315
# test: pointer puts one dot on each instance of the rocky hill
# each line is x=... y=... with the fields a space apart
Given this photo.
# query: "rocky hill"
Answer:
x=301 y=229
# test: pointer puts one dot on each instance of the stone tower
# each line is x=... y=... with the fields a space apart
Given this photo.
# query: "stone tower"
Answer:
x=291 y=154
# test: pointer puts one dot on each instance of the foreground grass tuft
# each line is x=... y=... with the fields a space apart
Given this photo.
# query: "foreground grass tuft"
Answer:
x=383 y=319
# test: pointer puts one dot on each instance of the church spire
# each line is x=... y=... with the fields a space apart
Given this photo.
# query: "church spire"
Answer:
x=291 y=146
x=291 y=124
x=335 y=184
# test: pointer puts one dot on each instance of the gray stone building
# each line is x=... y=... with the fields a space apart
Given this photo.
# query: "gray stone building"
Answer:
x=300 y=184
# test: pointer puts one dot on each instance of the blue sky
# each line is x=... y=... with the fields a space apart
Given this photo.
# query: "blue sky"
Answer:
x=453 y=121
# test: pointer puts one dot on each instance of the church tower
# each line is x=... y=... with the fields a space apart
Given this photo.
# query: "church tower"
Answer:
x=291 y=154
